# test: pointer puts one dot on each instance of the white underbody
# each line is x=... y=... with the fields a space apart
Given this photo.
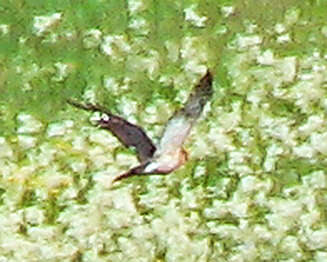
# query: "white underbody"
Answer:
x=165 y=163
x=170 y=154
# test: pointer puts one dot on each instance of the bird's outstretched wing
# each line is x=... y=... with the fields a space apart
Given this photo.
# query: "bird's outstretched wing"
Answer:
x=165 y=159
x=179 y=126
x=176 y=131
x=129 y=134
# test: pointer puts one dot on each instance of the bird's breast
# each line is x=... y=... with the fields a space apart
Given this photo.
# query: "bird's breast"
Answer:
x=166 y=162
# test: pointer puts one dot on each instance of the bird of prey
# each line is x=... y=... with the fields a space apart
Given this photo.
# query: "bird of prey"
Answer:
x=169 y=154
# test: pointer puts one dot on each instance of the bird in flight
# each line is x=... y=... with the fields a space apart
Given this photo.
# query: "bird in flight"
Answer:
x=169 y=154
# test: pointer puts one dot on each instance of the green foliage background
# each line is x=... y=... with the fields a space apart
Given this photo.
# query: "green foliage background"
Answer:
x=212 y=227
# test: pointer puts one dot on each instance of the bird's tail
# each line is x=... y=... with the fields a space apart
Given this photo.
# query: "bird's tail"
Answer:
x=138 y=170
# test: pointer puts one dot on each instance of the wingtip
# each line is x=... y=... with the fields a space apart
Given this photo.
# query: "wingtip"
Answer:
x=69 y=101
x=88 y=106
x=74 y=103
x=205 y=83
x=208 y=75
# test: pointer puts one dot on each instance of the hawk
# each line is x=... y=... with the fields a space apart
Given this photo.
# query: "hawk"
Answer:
x=169 y=154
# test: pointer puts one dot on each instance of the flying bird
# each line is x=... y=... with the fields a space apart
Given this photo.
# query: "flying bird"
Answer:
x=169 y=154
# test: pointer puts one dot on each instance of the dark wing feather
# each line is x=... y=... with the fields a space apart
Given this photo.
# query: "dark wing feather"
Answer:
x=201 y=94
x=179 y=126
x=129 y=134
